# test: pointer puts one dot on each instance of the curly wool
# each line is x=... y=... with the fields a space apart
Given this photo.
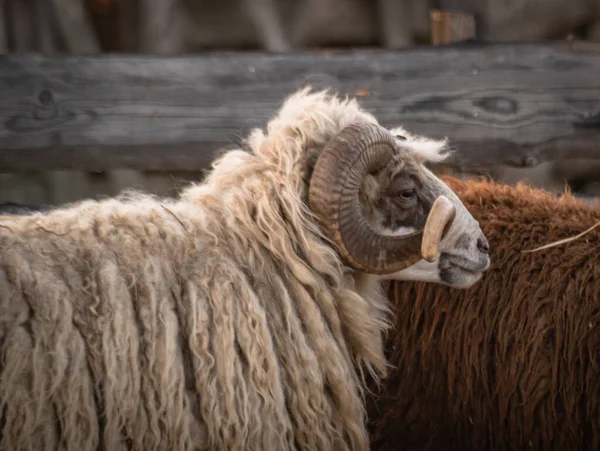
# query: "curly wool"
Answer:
x=219 y=320
x=511 y=363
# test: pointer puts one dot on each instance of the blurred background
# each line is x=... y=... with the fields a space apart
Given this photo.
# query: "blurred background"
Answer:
x=174 y=27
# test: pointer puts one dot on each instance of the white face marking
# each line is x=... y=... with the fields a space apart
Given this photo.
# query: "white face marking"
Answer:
x=400 y=231
x=404 y=231
x=422 y=270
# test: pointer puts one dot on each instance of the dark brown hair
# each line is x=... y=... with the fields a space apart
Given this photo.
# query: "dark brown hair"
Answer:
x=512 y=363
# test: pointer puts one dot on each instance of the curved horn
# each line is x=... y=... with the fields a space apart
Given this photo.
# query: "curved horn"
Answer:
x=357 y=150
x=440 y=218
x=333 y=196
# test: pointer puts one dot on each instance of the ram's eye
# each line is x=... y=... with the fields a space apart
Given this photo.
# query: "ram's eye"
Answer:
x=407 y=194
x=401 y=138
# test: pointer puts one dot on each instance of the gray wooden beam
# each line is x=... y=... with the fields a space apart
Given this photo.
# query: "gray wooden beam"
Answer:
x=517 y=105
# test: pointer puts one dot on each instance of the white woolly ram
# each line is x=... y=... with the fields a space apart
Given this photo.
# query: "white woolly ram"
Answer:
x=238 y=316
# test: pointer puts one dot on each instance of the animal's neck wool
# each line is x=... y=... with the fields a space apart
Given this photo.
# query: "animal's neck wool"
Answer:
x=203 y=323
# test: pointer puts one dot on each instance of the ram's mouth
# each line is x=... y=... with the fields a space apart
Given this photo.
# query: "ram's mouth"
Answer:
x=460 y=271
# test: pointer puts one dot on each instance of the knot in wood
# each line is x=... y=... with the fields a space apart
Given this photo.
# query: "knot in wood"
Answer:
x=529 y=161
x=46 y=97
x=47 y=108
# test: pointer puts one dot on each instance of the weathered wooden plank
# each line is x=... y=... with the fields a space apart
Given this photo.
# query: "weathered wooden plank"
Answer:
x=76 y=27
x=396 y=23
x=511 y=104
x=3 y=30
x=43 y=17
x=21 y=26
x=157 y=33
x=268 y=24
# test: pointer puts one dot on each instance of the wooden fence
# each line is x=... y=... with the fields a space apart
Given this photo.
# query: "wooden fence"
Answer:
x=515 y=105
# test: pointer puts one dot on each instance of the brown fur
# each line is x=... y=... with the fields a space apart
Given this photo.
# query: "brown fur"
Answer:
x=512 y=363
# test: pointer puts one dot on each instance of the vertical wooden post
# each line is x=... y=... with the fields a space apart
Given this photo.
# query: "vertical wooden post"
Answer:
x=395 y=20
x=3 y=30
x=43 y=27
x=21 y=26
x=76 y=27
x=159 y=30
x=128 y=25
x=448 y=27
x=268 y=24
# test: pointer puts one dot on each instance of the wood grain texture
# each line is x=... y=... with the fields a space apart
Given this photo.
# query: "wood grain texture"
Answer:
x=517 y=105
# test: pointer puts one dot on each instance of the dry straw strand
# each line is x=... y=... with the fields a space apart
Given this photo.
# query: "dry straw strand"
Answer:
x=563 y=241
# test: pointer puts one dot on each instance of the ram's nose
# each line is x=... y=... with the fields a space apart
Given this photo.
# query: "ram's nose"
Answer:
x=482 y=245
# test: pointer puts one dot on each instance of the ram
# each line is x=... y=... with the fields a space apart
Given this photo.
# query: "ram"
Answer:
x=513 y=363
x=246 y=313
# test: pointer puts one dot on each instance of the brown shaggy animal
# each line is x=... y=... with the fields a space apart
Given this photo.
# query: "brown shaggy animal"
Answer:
x=512 y=363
